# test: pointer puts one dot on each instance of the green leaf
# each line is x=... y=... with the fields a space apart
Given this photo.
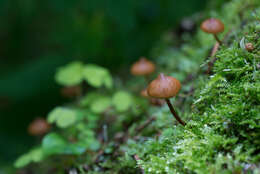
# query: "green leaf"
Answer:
x=75 y=148
x=122 y=101
x=94 y=145
x=100 y=104
x=97 y=76
x=70 y=74
x=63 y=117
x=53 y=143
x=88 y=99
x=35 y=155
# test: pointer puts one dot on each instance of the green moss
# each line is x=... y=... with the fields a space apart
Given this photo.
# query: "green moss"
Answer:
x=223 y=132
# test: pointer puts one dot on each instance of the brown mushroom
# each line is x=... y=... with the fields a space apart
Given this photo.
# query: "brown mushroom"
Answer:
x=213 y=26
x=143 y=67
x=249 y=47
x=38 y=127
x=165 y=87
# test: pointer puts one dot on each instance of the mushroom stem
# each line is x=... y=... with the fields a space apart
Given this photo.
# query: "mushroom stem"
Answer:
x=217 y=39
x=174 y=113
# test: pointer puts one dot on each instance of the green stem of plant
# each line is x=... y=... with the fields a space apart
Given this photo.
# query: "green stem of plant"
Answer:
x=83 y=89
x=217 y=39
x=174 y=113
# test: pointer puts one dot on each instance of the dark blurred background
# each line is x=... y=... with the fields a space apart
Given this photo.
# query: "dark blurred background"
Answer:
x=38 y=36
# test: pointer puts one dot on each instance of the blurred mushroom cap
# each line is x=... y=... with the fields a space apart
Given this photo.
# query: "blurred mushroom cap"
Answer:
x=39 y=126
x=142 y=67
x=212 y=26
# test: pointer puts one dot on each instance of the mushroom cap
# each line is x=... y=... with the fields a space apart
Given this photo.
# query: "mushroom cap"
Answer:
x=212 y=26
x=142 y=67
x=38 y=127
x=144 y=93
x=164 y=87
x=249 y=47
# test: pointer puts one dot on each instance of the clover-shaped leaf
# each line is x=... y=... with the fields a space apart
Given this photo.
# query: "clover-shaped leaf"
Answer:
x=70 y=74
x=53 y=143
x=35 y=155
x=100 y=104
x=88 y=99
x=97 y=76
x=63 y=117
x=122 y=101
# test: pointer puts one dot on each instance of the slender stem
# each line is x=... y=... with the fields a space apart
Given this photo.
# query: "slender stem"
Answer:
x=146 y=123
x=174 y=113
x=136 y=157
x=217 y=39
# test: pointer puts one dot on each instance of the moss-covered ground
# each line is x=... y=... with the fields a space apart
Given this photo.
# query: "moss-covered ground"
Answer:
x=219 y=100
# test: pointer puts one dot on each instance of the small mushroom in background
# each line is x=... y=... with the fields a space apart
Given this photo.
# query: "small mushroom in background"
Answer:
x=249 y=47
x=71 y=91
x=165 y=87
x=213 y=26
x=143 y=67
x=153 y=101
x=38 y=127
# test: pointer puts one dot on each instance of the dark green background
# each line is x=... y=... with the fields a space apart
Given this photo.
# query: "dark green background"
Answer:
x=38 y=36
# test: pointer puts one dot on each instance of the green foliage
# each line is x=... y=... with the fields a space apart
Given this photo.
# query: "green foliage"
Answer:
x=53 y=143
x=76 y=72
x=76 y=123
x=63 y=117
x=97 y=76
x=100 y=104
x=35 y=155
x=122 y=101
x=70 y=74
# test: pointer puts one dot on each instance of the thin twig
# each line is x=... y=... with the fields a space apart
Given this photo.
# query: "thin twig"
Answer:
x=145 y=124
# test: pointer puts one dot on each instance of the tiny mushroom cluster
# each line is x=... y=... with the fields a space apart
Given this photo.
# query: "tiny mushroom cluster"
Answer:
x=166 y=87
